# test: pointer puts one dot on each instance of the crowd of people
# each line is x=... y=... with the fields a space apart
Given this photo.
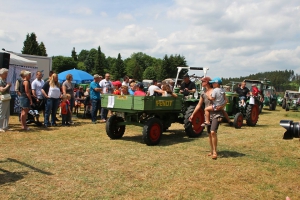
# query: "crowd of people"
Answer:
x=49 y=95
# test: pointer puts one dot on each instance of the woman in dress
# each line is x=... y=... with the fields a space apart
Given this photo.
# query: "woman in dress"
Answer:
x=25 y=98
x=68 y=88
x=4 y=103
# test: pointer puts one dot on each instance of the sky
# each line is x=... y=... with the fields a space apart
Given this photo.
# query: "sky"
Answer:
x=231 y=38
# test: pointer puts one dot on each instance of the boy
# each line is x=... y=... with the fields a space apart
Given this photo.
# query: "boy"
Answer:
x=64 y=106
x=218 y=98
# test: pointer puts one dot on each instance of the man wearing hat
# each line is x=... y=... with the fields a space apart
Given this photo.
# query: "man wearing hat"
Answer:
x=95 y=91
x=187 y=86
x=139 y=90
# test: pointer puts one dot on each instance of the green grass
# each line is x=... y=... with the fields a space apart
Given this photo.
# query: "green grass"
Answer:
x=81 y=162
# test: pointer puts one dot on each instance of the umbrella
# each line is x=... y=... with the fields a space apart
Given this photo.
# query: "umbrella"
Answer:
x=79 y=76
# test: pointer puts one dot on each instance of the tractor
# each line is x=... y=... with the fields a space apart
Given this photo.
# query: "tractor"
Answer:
x=291 y=100
x=155 y=114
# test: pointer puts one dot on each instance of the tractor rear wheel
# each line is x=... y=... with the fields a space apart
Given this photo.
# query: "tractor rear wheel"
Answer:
x=283 y=104
x=113 y=130
x=252 y=113
x=193 y=128
x=238 y=120
x=152 y=131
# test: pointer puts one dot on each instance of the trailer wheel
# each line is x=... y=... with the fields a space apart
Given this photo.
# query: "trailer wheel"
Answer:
x=112 y=129
x=238 y=120
x=252 y=113
x=152 y=131
x=193 y=128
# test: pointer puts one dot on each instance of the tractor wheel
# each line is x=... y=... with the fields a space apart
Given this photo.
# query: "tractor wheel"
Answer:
x=238 y=120
x=252 y=113
x=152 y=131
x=283 y=104
x=287 y=107
x=112 y=129
x=193 y=128
x=260 y=107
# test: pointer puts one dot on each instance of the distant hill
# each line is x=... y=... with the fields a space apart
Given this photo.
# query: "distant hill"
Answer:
x=281 y=80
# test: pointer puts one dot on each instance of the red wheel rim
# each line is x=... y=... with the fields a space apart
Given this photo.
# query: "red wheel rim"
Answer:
x=240 y=121
x=155 y=132
x=198 y=119
x=254 y=113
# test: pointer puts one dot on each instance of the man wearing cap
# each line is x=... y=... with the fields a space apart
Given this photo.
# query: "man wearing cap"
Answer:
x=139 y=90
x=95 y=91
x=187 y=86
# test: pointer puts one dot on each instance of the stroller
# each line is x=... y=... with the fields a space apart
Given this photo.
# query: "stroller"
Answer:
x=33 y=114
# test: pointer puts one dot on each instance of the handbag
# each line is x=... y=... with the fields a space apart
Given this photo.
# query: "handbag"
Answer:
x=4 y=97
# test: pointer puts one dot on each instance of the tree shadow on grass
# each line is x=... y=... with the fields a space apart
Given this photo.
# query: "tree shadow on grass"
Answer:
x=9 y=176
x=230 y=154
x=170 y=137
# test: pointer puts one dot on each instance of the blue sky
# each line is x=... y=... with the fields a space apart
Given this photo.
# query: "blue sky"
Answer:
x=232 y=38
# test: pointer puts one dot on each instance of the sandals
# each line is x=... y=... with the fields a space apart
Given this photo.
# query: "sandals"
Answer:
x=205 y=124
x=214 y=156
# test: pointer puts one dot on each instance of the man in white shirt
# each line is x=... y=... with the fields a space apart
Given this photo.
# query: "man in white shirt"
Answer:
x=107 y=88
x=126 y=81
x=36 y=87
x=152 y=88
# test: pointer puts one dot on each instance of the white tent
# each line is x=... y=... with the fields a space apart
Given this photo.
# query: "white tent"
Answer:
x=17 y=60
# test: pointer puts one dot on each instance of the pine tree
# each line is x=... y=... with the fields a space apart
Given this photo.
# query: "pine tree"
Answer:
x=42 y=50
x=31 y=46
x=100 y=63
x=74 y=54
x=118 y=69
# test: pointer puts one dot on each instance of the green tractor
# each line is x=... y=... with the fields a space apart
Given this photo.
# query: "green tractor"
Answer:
x=155 y=114
x=291 y=100
x=238 y=112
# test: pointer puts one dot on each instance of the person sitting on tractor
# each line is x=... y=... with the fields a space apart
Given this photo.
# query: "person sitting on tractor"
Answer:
x=218 y=98
x=255 y=91
x=187 y=86
x=242 y=91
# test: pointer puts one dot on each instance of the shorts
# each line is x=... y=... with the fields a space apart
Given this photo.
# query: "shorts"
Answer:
x=242 y=98
x=24 y=102
x=214 y=125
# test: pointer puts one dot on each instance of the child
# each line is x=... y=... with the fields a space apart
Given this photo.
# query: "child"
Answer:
x=117 y=85
x=64 y=109
x=218 y=98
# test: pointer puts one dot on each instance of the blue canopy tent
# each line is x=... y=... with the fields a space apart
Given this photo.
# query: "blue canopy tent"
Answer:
x=79 y=76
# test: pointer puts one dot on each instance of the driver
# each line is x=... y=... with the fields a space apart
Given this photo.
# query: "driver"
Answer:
x=187 y=86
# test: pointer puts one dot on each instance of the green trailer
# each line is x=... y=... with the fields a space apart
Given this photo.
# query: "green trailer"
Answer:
x=155 y=114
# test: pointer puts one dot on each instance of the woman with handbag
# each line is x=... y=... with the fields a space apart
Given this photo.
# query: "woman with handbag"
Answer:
x=25 y=98
x=4 y=100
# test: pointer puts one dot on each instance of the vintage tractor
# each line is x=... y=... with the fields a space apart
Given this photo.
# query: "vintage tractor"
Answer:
x=270 y=97
x=155 y=114
x=291 y=100
x=261 y=86
x=249 y=112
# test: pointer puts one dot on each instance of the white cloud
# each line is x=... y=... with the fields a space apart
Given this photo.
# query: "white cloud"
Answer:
x=125 y=16
x=81 y=11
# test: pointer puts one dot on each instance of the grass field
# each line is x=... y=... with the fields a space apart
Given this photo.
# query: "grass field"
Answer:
x=81 y=162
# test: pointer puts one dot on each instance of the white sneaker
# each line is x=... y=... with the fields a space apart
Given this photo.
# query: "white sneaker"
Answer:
x=1 y=130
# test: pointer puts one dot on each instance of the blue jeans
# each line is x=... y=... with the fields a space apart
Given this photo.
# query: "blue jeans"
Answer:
x=95 y=108
x=51 y=108
x=104 y=113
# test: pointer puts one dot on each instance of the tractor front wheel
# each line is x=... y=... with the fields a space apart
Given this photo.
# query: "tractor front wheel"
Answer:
x=193 y=128
x=113 y=130
x=252 y=113
x=283 y=104
x=287 y=107
x=152 y=131
x=273 y=105
x=238 y=120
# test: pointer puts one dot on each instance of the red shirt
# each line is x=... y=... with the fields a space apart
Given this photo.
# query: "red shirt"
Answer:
x=255 y=91
x=139 y=93
x=117 y=92
x=64 y=107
